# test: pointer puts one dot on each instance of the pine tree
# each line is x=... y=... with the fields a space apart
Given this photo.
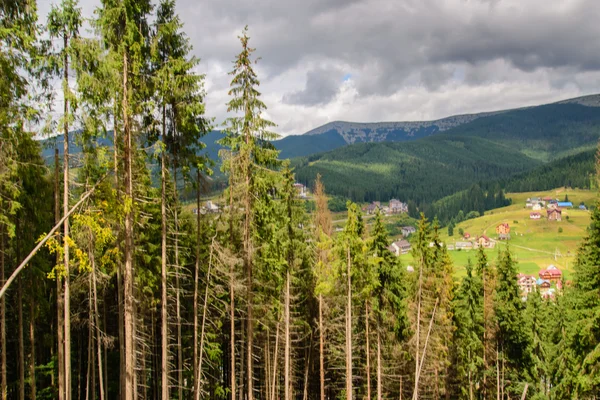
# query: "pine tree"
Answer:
x=323 y=267
x=180 y=100
x=585 y=340
x=512 y=339
x=251 y=157
x=351 y=254
x=469 y=334
x=389 y=299
x=124 y=29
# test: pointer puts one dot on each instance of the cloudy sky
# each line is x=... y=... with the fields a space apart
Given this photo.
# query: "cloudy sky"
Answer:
x=395 y=60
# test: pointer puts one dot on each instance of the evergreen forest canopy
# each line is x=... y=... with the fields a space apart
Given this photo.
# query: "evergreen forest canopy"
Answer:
x=110 y=290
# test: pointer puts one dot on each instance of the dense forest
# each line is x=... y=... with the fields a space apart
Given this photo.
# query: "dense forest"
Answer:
x=112 y=289
x=423 y=171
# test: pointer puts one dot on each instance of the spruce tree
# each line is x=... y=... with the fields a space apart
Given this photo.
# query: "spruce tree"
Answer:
x=585 y=331
x=469 y=334
x=512 y=339
x=252 y=158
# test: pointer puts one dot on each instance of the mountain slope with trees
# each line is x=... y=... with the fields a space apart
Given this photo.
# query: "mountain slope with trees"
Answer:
x=422 y=171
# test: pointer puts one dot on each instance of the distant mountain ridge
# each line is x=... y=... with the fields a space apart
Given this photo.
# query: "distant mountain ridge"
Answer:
x=337 y=134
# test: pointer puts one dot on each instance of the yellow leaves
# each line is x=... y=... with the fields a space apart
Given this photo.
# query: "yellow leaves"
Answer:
x=127 y=204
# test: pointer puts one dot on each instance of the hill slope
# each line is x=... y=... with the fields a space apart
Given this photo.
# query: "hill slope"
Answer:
x=545 y=132
x=422 y=171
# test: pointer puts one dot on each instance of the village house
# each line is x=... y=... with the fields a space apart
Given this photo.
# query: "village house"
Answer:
x=301 y=189
x=548 y=199
x=551 y=274
x=397 y=207
x=408 y=230
x=537 y=206
x=535 y=215
x=503 y=231
x=485 y=242
x=208 y=207
x=464 y=245
x=535 y=200
x=371 y=208
x=552 y=206
x=582 y=207
x=555 y=214
x=400 y=247
x=467 y=235
x=543 y=285
x=527 y=283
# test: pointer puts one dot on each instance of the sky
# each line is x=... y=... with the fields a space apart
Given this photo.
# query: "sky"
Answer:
x=394 y=60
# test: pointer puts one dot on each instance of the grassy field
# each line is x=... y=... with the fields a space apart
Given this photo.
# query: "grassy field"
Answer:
x=535 y=244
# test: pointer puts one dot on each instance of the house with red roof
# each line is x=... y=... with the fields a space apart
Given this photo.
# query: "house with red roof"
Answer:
x=551 y=274
x=485 y=242
x=535 y=215
x=555 y=214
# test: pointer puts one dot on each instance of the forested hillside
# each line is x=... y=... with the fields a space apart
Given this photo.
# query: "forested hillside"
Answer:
x=110 y=289
x=422 y=171
x=545 y=132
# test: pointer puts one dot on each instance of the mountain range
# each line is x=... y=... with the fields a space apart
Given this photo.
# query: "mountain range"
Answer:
x=428 y=160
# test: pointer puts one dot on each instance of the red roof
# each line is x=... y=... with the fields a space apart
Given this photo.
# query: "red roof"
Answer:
x=551 y=272
x=485 y=238
x=558 y=210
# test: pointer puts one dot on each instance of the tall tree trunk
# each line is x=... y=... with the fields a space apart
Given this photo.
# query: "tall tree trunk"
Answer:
x=368 y=350
x=379 y=382
x=418 y=376
x=231 y=296
x=497 y=374
x=120 y=272
x=177 y=283
x=60 y=313
x=20 y=323
x=321 y=348
x=287 y=385
x=484 y=341
x=98 y=331
x=164 y=329
x=3 y=383
x=248 y=266
x=205 y=306
x=348 y=329
x=418 y=334
x=274 y=392
x=32 y=383
x=90 y=380
x=128 y=275
x=249 y=328
x=470 y=379
x=196 y=277
x=232 y=331
x=241 y=382
x=67 y=295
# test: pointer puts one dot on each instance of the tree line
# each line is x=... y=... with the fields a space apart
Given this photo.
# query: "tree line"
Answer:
x=112 y=288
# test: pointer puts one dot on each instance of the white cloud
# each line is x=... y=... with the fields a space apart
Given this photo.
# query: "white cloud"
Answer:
x=407 y=60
